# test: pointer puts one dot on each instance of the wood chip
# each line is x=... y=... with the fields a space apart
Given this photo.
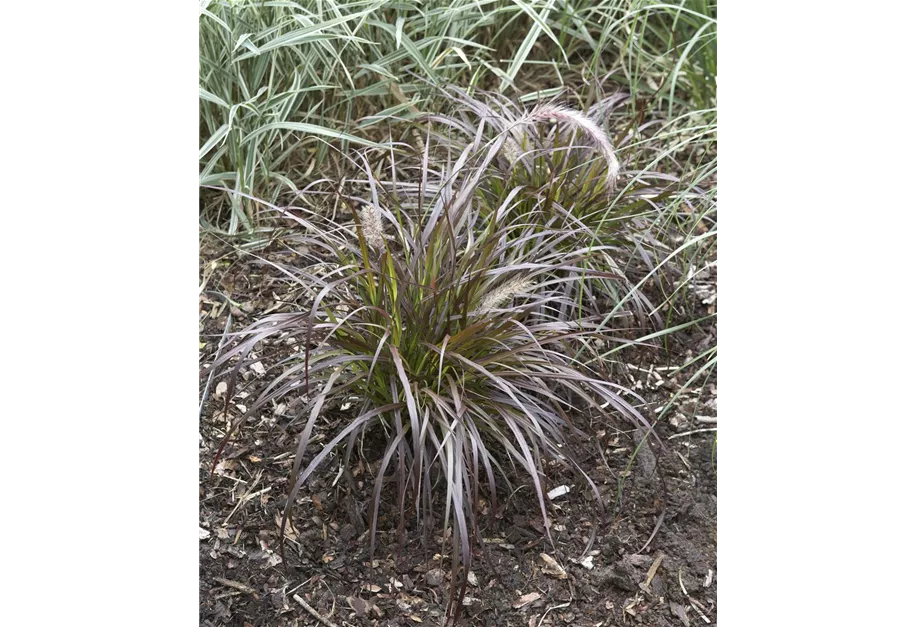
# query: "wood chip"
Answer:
x=652 y=571
x=229 y=583
x=587 y=562
x=203 y=533
x=324 y=621
x=525 y=599
x=552 y=568
x=680 y=612
x=558 y=491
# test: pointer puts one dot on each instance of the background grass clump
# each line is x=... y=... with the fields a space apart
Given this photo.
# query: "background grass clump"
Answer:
x=281 y=79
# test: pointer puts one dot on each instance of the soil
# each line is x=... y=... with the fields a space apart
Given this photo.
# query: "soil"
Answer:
x=633 y=574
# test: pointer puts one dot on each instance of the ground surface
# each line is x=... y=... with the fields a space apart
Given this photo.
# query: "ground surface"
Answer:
x=672 y=581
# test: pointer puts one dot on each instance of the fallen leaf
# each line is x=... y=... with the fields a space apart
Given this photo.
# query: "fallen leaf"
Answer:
x=290 y=532
x=226 y=465
x=221 y=390
x=552 y=568
x=679 y=611
x=358 y=605
x=525 y=599
x=434 y=577
x=415 y=618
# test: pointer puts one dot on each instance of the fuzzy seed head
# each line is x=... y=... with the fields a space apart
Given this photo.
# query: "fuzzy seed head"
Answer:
x=371 y=223
x=495 y=299
x=591 y=130
x=511 y=150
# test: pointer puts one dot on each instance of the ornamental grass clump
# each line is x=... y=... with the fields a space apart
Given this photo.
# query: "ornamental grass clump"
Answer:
x=437 y=314
x=556 y=153
x=561 y=168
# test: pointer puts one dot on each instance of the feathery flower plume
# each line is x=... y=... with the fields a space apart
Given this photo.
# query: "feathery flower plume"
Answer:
x=500 y=296
x=371 y=222
x=598 y=137
x=511 y=150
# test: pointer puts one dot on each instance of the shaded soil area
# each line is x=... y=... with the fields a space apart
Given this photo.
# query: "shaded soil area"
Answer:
x=653 y=562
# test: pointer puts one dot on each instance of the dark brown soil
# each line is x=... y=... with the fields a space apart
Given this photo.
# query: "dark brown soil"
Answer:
x=670 y=581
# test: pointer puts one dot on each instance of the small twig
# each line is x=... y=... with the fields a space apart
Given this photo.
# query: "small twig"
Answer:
x=245 y=499
x=229 y=583
x=652 y=571
x=236 y=479
x=297 y=587
x=553 y=607
x=333 y=599
x=231 y=593
x=697 y=609
x=681 y=583
x=691 y=599
x=655 y=529
x=222 y=343
x=681 y=435
x=683 y=460
x=313 y=611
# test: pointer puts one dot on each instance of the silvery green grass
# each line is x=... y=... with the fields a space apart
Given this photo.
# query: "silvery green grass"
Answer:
x=279 y=79
x=449 y=313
